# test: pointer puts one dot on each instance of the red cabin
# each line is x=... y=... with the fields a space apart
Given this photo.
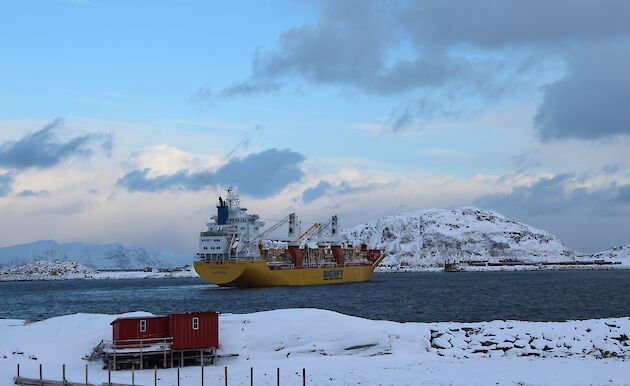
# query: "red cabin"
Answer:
x=194 y=330
x=133 y=331
x=146 y=341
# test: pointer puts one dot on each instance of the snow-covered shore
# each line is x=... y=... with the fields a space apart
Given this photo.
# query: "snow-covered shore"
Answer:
x=69 y=270
x=504 y=268
x=338 y=349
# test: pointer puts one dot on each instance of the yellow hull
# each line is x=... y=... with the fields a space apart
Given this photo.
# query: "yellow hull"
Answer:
x=257 y=274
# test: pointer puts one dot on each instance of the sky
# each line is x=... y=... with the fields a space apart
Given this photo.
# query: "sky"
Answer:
x=123 y=121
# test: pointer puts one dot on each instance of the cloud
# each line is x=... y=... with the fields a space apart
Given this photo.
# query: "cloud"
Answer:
x=42 y=149
x=395 y=47
x=344 y=187
x=591 y=101
x=312 y=194
x=262 y=174
x=6 y=184
x=452 y=55
x=31 y=193
x=556 y=195
x=139 y=181
x=259 y=175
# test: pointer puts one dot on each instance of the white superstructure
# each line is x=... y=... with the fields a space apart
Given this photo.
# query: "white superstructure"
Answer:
x=233 y=234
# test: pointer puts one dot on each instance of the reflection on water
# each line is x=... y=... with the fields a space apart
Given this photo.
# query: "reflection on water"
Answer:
x=422 y=296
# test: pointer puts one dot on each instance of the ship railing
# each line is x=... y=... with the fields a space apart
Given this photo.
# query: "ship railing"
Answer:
x=280 y=265
x=320 y=264
x=121 y=346
x=356 y=263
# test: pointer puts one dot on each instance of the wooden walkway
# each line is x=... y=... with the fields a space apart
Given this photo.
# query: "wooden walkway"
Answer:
x=44 y=382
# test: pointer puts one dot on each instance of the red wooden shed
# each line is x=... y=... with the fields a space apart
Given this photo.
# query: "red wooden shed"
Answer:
x=191 y=330
x=146 y=341
x=129 y=331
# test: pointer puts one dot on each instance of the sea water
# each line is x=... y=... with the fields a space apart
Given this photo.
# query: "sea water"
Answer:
x=419 y=296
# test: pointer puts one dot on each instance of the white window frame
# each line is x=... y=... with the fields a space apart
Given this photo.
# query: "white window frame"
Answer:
x=143 y=325
x=195 y=323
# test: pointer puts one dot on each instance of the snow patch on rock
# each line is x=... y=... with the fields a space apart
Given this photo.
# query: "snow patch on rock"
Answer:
x=620 y=253
x=48 y=270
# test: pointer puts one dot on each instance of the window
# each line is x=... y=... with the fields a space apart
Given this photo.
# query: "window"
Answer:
x=195 y=323
x=143 y=326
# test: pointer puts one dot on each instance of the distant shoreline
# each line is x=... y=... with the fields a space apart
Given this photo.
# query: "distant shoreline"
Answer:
x=141 y=275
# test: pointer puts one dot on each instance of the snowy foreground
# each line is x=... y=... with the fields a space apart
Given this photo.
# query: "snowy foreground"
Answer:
x=336 y=349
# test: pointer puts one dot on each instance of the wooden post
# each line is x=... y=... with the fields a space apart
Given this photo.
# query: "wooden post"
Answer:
x=109 y=377
x=165 y=353
x=226 y=377
x=251 y=376
x=201 y=375
x=278 y=377
x=63 y=374
x=86 y=375
x=133 y=375
x=178 y=376
x=155 y=376
x=303 y=377
x=181 y=362
x=41 y=379
x=18 y=371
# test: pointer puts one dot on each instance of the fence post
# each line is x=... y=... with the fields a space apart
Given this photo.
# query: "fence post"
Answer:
x=18 y=371
x=41 y=378
x=133 y=375
x=251 y=376
x=303 y=377
x=155 y=375
x=278 y=376
x=63 y=374
x=201 y=375
x=109 y=377
x=178 y=376
x=86 y=375
x=226 y=377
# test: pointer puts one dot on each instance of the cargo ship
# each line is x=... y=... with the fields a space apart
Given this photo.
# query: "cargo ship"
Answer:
x=235 y=252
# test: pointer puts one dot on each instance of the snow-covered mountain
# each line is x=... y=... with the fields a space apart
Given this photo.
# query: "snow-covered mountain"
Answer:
x=620 y=253
x=105 y=256
x=431 y=237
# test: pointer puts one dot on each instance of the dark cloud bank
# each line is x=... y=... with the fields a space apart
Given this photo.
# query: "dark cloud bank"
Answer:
x=259 y=175
x=591 y=102
x=555 y=195
x=6 y=182
x=44 y=149
x=415 y=47
x=324 y=188
x=587 y=220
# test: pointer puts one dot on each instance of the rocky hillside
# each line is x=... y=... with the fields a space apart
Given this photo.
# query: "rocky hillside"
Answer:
x=105 y=256
x=620 y=253
x=429 y=238
x=47 y=270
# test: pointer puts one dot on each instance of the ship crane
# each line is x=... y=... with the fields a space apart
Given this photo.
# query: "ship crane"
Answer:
x=308 y=233
x=320 y=229
x=272 y=228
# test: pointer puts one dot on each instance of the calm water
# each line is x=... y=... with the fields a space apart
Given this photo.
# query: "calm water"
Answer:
x=426 y=296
